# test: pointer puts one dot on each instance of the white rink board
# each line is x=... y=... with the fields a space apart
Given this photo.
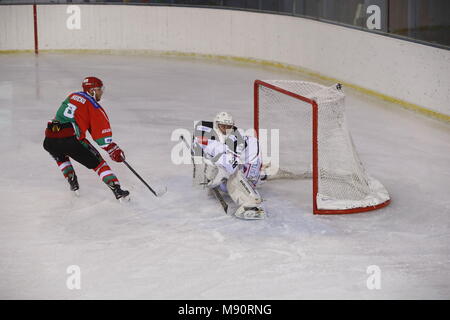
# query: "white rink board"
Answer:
x=16 y=28
x=403 y=70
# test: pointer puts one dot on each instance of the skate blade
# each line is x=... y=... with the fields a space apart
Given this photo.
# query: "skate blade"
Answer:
x=124 y=199
x=76 y=193
x=253 y=216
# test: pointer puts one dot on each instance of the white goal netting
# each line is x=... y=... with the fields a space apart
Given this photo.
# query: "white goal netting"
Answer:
x=342 y=182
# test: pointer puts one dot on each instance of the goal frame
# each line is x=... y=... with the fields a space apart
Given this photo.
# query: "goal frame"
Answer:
x=315 y=150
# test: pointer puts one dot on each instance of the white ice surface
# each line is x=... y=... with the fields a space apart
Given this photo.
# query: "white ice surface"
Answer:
x=182 y=246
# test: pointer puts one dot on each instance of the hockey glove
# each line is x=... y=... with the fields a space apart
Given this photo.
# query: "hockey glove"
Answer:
x=115 y=152
x=221 y=175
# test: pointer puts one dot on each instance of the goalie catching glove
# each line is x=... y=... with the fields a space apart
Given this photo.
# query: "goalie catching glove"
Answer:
x=115 y=152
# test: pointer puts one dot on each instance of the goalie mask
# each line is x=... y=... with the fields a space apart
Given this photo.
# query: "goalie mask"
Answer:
x=223 y=125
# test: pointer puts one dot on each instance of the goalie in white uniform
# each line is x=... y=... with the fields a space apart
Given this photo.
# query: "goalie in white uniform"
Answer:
x=233 y=163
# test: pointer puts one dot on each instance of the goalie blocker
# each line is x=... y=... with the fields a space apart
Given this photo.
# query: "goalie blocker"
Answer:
x=229 y=161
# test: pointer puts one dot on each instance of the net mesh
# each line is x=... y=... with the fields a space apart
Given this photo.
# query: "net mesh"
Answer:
x=343 y=182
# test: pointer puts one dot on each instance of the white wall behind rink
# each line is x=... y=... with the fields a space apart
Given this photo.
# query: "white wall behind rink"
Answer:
x=407 y=71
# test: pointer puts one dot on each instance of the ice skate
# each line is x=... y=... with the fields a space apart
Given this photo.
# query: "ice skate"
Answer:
x=121 y=195
x=73 y=182
x=250 y=213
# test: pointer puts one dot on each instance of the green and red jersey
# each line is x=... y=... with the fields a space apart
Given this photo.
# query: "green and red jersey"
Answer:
x=86 y=114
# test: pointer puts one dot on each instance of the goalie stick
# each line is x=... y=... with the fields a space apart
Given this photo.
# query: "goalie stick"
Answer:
x=215 y=190
x=219 y=197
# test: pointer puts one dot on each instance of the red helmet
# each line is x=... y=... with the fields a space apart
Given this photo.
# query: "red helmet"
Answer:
x=90 y=83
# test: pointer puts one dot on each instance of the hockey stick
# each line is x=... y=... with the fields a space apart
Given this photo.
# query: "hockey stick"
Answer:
x=187 y=145
x=192 y=155
x=150 y=188
x=214 y=190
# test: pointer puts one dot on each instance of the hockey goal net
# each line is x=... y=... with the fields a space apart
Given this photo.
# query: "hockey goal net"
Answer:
x=311 y=140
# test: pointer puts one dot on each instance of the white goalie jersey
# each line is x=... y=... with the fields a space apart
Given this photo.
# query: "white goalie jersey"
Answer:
x=231 y=164
x=237 y=151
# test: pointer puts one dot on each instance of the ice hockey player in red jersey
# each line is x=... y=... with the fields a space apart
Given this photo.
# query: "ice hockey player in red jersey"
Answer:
x=65 y=137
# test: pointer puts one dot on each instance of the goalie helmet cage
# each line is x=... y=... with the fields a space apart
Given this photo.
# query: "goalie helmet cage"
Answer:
x=317 y=144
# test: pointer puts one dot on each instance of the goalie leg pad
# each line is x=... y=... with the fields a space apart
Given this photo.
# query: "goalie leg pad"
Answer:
x=241 y=191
